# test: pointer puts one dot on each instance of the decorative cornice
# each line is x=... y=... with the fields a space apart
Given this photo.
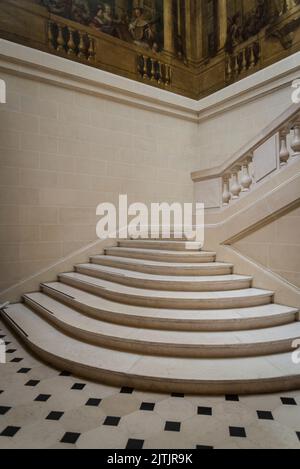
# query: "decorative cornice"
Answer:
x=28 y=62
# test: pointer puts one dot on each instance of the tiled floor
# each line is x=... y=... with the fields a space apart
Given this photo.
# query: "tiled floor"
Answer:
x=41 y=407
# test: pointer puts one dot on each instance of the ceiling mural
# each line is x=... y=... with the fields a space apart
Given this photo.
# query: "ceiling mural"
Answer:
x=138 y=22
x=190 y=47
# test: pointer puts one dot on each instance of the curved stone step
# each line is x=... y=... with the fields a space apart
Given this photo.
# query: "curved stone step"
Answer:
x=163 y=268
x=164 y=343
x=171 y=319
x=163 y=282
x=168 y=245
x=271 y=373
x=168 y=299
x=162 y=256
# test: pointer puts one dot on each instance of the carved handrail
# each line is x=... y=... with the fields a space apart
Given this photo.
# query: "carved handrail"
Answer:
x=237 y=174
x=281 y=122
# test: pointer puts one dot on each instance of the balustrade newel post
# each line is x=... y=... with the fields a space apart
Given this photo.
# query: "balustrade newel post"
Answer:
x=226 y=196
x=295 y=144
x=235 y=187
x=283 y=149
x=60 y=39
x=246 y=179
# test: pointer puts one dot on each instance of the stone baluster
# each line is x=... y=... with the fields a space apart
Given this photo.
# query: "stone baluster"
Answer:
x=228 y=68
x=244 y=60
x=91 y=49
x=252 y=57
x=71 y=44
x=226 y=196
x=160 y=76
x=295 y=144
x=145 y=68
x=168 y=75
x=246 y=179
x=283 y=149
x=236 y=65
x=152 y=73
x=235 y=186
x=60 y=39
x=81 y=46
x=50 y=35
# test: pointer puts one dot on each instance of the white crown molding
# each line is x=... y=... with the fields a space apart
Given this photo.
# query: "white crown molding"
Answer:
x=38 y=65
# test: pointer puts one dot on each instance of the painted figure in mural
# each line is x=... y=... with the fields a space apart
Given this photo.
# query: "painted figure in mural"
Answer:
x=80 y=11
x=234 y=32
x=105 y=21
x=255 y=20
x=141 y=29
x=58 y=7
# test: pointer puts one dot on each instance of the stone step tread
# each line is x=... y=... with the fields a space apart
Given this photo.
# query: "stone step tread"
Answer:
x=183 y=265
x=104 y=304
x=73 y=318
x=159 y=252
x=166 y=278
x=42 y=336
x=161 y=244
x=140 y=292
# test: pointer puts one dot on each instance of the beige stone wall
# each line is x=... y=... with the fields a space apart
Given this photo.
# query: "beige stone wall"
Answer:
x=276 y=246
x=62 y=153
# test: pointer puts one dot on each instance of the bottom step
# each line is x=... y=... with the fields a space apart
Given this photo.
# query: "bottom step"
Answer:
x=271 y=373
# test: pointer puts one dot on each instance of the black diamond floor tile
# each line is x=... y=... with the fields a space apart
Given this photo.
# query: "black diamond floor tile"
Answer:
x=172 y=426
x=264 y=415
x=70 y=437
x=42 y=397
x=134 y=444
x=288 y=401
x=10 y=431
x=147 y=406
x=112 y=421
x=204 y=447
x=177 y=394
x=238 y=432
x=16 y=360
x=24 y=370
x=78 y=386
x=126 y=390
x=54 y=415
x=204 y=411
x=32 y=382
x=4 y=410
x=93 y=402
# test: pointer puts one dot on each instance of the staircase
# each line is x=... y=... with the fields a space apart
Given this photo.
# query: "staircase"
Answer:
x=162 y=316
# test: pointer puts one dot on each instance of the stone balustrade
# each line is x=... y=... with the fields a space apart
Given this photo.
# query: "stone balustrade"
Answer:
x=239 y=177
x=242 y=60
x=154 y=70
x=74 y=42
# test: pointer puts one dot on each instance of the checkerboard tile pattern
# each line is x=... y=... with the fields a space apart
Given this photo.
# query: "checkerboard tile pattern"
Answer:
x=41 y=407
